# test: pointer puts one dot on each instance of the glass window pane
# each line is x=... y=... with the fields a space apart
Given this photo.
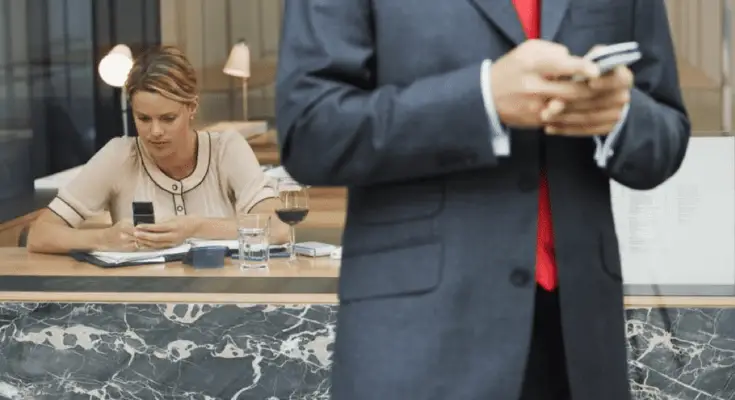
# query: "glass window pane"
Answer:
x=207 y=34
x=698 y=32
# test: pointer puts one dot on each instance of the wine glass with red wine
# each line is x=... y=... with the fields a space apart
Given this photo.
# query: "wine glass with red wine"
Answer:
x=293 y=208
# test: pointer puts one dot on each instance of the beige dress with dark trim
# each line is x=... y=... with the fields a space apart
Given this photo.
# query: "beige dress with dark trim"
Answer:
x=226 y=181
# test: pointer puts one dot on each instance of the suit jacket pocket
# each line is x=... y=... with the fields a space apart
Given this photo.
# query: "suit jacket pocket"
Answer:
x=610 y=255
x=601 y=14
x=411 y=269
x=395 y=202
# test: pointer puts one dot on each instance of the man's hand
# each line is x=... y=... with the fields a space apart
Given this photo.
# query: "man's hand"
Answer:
x=166 y=234
x=594 y=116
x=526 y=78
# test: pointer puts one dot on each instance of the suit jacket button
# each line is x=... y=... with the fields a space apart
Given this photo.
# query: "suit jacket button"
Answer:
x=520 y=277
x=529 y=181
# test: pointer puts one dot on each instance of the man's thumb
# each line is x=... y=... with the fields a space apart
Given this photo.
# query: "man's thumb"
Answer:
x=571 y=67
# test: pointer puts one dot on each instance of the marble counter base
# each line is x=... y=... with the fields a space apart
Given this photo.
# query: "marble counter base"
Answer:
x=187 y=352
x=682 y=353
x=260 y=352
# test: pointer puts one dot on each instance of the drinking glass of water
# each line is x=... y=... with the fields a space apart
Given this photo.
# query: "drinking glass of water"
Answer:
x=293 y=208
x=252 y=238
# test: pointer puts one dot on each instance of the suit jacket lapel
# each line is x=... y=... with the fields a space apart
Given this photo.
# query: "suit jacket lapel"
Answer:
x=552 y=13
x=502 y=14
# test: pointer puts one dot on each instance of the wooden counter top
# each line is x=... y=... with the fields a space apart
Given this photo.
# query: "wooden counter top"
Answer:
x=37 y=277
x=45 y=278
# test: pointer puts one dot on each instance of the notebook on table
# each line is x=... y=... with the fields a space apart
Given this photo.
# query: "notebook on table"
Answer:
x=113 y=259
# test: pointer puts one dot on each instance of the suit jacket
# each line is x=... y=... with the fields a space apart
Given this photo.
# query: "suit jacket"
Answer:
x=437 y=280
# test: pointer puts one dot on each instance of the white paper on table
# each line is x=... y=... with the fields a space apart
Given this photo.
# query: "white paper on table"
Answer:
x=140 y=256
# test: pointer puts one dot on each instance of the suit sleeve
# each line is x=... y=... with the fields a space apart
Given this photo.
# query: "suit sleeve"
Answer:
x=651 y=145
x=338 y=126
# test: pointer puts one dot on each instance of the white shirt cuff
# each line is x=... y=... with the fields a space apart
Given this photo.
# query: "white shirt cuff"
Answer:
x=499 y=137
x=604 y=150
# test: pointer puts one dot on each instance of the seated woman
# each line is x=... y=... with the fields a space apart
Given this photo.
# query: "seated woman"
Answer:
x=198 y=182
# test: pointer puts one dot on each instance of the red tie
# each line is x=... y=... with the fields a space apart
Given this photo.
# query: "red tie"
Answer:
x=528 y=13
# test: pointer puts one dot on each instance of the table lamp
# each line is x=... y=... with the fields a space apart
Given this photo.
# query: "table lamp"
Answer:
x=113 y=69
x=238 y=65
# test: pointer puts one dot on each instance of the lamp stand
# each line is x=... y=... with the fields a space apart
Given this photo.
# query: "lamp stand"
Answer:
x=124 y=109
x=245 y=99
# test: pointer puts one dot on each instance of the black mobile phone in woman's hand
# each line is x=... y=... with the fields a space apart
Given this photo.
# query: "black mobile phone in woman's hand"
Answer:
x=143 y=213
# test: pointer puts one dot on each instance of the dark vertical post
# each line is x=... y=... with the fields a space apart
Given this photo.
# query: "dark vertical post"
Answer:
x=135 y=23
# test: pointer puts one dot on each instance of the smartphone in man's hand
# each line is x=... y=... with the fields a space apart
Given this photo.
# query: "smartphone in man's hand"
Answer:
x=609 y=57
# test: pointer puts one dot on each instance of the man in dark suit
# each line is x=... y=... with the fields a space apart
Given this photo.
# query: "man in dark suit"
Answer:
x=459 y=143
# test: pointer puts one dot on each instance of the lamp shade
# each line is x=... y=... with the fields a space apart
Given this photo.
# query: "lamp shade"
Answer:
x=238 y=64
x=115 y=65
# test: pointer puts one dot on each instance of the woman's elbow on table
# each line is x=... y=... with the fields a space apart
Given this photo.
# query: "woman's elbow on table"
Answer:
x=41 y=232
x=52 y=235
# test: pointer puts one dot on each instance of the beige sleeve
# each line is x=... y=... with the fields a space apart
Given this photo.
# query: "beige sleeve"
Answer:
x=241 y=170
x=90 y=191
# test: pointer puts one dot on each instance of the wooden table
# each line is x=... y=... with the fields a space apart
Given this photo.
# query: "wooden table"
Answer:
x=47 y=278
x=38 y=277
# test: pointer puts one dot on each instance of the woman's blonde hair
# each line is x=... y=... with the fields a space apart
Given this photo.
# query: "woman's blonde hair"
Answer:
x=164 y=70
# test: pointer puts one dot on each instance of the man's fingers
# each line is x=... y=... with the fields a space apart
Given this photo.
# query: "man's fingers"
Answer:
x=572 y=119
x=553 y=60
x=619 y=78
x=608 y=100
x=566 y=91
x=567 y=66
x=553 y=108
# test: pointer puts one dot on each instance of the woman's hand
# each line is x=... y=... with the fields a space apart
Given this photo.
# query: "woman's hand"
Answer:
x=166 y=234
x=119 y=237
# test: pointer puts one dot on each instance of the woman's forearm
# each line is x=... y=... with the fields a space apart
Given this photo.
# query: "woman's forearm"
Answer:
x=213 y=228
x=50 y=238
x=226 y=229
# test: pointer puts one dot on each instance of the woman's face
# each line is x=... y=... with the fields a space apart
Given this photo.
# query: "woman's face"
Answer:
x=162 y=124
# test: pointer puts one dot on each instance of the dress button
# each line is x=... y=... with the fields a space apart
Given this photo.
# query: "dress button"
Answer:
x=175 y=187
x=520 y=277
x=180 y=208
x=528 y=181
